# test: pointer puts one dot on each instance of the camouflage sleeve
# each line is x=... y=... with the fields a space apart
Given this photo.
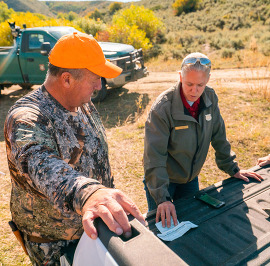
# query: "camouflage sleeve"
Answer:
x=35 y=153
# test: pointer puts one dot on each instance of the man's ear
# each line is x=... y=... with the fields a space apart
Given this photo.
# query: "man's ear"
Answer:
x=66 y=79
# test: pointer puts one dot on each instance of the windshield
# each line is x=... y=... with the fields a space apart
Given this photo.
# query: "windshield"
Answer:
x=61 y=32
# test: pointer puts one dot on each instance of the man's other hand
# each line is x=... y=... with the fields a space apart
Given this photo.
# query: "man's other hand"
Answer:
x=112 y=206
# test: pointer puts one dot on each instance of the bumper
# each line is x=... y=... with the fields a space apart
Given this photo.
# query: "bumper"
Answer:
x=133 y=69
x=124 y=78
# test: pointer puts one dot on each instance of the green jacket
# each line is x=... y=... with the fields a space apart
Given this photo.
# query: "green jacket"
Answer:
x=176 y=144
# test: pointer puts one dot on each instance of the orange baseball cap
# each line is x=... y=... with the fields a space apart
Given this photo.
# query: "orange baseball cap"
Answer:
x=79 y=50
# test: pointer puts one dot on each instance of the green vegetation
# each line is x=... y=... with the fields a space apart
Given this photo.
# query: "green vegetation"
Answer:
x=115 y=7
x=186 y=6
x=5 y=12
x=229 y=31
x=135 y=25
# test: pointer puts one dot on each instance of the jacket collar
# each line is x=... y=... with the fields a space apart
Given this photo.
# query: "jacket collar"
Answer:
x=178 y=106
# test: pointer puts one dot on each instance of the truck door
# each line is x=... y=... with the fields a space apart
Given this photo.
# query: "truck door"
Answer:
x=34 y=64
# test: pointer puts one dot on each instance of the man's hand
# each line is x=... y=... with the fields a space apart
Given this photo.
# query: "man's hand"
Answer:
x=264 y=161
x=112 y=206
x=244 y=174
x=165 y=210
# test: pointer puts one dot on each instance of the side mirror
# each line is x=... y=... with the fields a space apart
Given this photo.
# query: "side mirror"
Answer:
x=45 y=48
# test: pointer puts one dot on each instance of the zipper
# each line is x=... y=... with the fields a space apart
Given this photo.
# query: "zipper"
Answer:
x=193 y=159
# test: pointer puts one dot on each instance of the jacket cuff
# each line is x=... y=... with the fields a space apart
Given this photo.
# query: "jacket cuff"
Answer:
x=83 y=194
x=166 y=197
x=233 y=171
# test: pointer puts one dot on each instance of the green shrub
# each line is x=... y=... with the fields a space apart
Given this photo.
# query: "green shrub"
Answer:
x=227 y=53
x=186 y=6
x=153 y=52
x=5 y=12
x=237 y=44
x=71 y=16
x=96 y=14
x=115 y=7
x=90 y=26
x=178 y=54
x=156 y=8
x=265 y=48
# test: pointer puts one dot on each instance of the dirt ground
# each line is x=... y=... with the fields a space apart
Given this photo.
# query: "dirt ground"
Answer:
x=118 y=107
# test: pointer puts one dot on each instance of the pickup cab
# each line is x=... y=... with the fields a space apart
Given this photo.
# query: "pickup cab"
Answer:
x=26 y=62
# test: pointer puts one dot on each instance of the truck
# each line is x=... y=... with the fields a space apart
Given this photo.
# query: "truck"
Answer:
x=26 y=62
x=237 y=233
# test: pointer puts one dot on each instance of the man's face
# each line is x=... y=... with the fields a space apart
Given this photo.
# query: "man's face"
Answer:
x=83 y=88
x=193 y=84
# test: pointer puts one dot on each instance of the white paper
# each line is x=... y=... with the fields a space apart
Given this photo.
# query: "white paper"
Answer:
x=173 y=232
x=165 y=229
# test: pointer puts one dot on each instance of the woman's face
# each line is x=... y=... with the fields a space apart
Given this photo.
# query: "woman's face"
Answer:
x=193 y=84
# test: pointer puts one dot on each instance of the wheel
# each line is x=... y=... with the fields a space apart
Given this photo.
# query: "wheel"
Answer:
x=26 y=86
x=99 y=96
x=1 y=88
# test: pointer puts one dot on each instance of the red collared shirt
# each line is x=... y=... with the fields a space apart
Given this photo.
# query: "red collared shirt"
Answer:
x=194 y=109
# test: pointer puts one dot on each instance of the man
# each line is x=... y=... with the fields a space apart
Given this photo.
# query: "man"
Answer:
x=58 y=155
x=181 y=124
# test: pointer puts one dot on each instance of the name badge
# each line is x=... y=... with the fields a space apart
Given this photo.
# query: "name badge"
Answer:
x=208 y=117
x=181 y=127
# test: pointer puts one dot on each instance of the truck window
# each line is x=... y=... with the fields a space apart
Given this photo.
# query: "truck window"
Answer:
x=35 y=41
x=32 y=41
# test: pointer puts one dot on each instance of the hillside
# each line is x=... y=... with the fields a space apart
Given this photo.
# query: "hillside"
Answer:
x=52 y=8
x=33 y=6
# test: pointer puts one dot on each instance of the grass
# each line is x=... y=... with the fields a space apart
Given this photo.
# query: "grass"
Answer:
x=246 y=113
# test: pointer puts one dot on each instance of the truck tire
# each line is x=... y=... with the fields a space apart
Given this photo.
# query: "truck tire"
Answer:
x=26 y=86
x=99 y=96
x=1 y=88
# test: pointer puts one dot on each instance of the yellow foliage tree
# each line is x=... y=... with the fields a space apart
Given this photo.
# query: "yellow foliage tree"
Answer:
x=123 y=33
x=136 y=25
x=31 y=20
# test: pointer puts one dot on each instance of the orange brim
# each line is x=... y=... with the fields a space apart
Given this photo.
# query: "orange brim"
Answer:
x=106 y=70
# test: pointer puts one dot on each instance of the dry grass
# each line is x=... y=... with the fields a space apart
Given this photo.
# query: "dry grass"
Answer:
x=246 y=114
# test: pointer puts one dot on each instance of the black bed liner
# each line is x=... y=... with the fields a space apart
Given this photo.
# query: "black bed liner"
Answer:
x=236 y=234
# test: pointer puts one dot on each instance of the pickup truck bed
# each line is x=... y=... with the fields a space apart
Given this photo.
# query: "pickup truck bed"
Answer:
x=5 y=49
x=235 y=234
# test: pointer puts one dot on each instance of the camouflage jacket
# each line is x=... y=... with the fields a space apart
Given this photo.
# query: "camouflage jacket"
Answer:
x=57 y=159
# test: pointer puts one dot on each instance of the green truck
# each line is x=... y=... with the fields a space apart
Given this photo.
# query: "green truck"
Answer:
x=26 y=62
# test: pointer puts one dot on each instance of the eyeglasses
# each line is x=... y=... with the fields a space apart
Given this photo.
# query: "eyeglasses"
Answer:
x=193 y=60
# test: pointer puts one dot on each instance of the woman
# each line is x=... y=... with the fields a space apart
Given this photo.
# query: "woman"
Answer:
x=264 y=161
x=181 y=124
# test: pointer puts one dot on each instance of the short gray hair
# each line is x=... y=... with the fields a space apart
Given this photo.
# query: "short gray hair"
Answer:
x=58 y=71
x=197 y=66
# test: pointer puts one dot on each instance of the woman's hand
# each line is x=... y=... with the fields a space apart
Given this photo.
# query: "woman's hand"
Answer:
x=166 y=210
x=264 y=160
x=244 y=174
